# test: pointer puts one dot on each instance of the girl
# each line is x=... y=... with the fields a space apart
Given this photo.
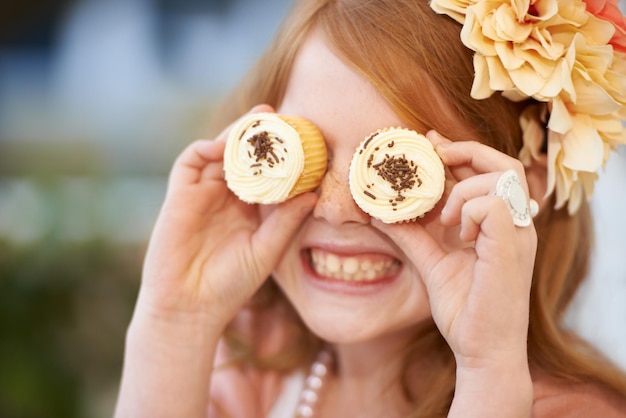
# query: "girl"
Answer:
x=463 y=317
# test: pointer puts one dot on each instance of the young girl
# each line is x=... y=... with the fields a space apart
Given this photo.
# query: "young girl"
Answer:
x=238 y=315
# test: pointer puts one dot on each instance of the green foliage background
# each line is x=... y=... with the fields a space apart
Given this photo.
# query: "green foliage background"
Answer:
x=64 y=309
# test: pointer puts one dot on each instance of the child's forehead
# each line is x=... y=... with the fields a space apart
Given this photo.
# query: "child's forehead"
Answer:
x=334 y=95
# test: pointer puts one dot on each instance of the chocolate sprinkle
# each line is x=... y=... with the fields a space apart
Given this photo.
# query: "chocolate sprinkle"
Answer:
x=400 y=173
x=368 y=140
x=369 y=194
x=274 y=154
x=262 y=144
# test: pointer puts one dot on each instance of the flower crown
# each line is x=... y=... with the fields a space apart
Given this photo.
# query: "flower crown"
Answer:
x=567 y=55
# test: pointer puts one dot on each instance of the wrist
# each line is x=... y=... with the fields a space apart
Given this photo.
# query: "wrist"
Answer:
x=493 y=388
x=171 y=314
x=167 y=365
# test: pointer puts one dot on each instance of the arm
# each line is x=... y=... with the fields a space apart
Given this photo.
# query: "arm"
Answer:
x=479 y=295
x=207 y=256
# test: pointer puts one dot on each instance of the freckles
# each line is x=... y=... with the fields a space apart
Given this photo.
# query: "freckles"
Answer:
x=335 y=191
x=329 y=187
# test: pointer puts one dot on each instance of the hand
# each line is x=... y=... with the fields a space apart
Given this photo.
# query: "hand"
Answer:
x=479 y=294
x=208 y=254
x=209 y=251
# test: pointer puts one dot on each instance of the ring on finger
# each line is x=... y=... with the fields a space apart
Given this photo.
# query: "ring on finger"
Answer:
x=509 y=188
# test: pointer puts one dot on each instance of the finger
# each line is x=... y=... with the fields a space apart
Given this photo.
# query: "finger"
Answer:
x=497 y=241
x=276 y=231
x=480 y=158
x=464 y=191
x=188 y=166
x=223 y=136
x=488 y=215
x=418 y=245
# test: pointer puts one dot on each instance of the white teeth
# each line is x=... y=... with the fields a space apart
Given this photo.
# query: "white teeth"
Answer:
x=351 y=268
x=350 y=265
x=332 y=263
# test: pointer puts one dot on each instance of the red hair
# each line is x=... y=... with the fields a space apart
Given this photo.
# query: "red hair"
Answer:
x=415 y=58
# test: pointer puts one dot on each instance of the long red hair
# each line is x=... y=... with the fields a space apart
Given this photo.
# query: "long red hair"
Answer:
x=415 y=58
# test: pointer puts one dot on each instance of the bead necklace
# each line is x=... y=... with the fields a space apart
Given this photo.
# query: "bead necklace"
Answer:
x=313 y=385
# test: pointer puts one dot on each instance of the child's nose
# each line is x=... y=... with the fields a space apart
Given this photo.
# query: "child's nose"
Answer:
x=335 y=204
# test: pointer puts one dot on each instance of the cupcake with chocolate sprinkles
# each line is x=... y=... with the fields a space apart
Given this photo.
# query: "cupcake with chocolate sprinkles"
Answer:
x=396 y=175
x=270 y=157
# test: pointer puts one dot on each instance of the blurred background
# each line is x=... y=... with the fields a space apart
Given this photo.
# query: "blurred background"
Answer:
x=97 y=97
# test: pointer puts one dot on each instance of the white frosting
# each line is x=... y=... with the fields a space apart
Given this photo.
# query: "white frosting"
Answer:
x=396 y=175
x=268 y=176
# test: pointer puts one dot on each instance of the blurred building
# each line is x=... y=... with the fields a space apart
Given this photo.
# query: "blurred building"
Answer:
x=101 y=95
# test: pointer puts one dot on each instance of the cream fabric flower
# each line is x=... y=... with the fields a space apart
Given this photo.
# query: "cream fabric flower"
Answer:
x=563 y=56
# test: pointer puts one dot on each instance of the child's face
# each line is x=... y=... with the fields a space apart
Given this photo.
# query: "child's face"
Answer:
x=348 y=280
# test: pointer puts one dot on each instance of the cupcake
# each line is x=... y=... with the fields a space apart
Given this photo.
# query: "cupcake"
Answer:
x=396 y=175
x=270 y=157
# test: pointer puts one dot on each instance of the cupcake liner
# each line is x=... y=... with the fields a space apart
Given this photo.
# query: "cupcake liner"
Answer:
x=315 y=154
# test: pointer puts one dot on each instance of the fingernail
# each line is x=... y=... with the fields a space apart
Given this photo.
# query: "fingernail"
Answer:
x=435 y=135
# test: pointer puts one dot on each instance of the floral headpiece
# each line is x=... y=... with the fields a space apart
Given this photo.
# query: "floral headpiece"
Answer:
x=570 y=57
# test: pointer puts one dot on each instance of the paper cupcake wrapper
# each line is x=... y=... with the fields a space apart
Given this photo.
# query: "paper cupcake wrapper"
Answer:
x=315 y=154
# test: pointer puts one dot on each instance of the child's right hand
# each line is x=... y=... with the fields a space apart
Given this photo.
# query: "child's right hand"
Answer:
x=209 y=251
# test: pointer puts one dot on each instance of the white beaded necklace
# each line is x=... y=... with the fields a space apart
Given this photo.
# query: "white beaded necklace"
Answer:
x=313 y=385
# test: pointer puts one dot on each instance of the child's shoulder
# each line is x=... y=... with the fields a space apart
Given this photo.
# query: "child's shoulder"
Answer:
x=556 y=399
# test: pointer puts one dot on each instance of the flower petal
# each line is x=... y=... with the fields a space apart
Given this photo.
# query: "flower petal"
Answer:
x=480 y=87
x=560 y=118
x=583 y=148
x=592 y=99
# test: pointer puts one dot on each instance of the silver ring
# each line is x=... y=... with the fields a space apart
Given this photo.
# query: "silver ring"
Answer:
x=510 y=189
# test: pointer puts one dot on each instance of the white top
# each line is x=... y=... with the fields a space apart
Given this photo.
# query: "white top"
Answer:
x=287 y=402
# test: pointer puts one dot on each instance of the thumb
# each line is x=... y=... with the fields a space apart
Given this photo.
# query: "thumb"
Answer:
x=418 y=245
x=270 y=241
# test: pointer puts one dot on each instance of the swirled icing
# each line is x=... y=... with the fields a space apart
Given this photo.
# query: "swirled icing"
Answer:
x=396 y=175
x=264 y=159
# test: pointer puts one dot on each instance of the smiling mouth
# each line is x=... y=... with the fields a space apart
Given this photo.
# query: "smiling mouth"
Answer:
x=353 y=268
